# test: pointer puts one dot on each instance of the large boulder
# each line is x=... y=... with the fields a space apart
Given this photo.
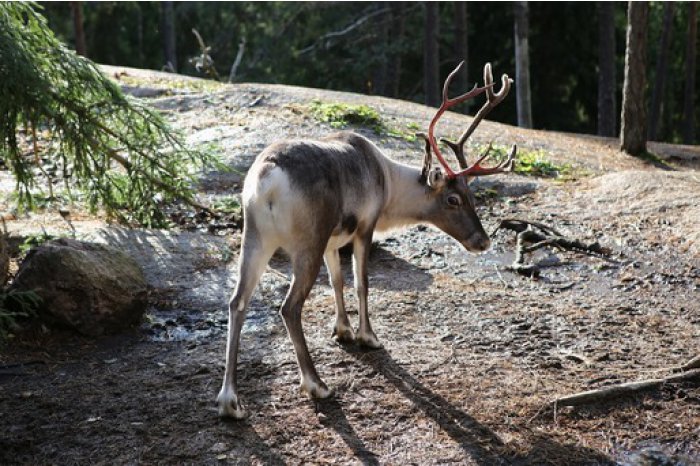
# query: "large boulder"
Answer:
x=92 y=288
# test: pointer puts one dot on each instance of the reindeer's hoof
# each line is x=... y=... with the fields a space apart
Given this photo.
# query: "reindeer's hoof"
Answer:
x=230 y=406
x=368 y=340
x=343 y=335
x=315 y=390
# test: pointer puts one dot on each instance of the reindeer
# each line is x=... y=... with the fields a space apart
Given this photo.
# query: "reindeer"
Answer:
x=310 y=198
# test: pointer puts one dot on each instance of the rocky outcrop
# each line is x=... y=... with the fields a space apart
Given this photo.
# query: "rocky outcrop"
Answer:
x=92 y=288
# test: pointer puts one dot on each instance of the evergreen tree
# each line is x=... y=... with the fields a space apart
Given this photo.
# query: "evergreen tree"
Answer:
x=120 y=154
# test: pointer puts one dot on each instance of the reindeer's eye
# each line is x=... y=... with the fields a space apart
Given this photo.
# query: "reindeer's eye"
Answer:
x=454 y=200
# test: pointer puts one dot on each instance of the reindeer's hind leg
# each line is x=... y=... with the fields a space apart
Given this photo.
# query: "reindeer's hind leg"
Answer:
x=254 y=257
x=306 y=264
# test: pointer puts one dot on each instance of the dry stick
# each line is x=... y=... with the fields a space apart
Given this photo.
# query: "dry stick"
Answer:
x=616 y=391
x=207 y=63
x=692 y=364
x=237 y=61
x=548 y=237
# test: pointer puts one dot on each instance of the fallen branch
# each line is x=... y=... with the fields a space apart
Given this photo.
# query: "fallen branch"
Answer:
x=625 y=389
x=531 y=236
x=692 y=364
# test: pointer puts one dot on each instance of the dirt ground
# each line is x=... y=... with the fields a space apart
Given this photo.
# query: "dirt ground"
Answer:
x=473 y=353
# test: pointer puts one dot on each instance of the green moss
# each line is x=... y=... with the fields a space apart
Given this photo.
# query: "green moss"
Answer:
x=194 y=85
x=655 y=160
x=340 y=115
x=228 y=204
x=536 y=163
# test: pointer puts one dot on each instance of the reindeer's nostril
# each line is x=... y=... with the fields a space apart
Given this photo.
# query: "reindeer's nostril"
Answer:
x=477 y=243
x=485 y=243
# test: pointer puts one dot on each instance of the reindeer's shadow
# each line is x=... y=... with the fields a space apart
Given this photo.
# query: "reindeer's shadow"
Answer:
x=479 y=443
x=337 y=420
x=386 y=271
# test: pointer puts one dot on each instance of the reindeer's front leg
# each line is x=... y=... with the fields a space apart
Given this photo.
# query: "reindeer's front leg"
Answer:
x=361 y=245
x=342 y=330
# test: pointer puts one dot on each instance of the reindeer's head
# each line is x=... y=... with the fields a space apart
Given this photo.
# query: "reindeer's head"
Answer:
x=453 y=209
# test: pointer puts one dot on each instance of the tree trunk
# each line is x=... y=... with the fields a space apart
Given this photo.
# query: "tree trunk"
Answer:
x=657 y=94
x=139 y=34
x=4 y=259
x=607 y=111
x=522 y=65
x=689 y=98
x=634 y=120
x=461 y=48
x=168 y=32
x=380 y=69
x=431 y=58
x=78 y=30
x=398 y=27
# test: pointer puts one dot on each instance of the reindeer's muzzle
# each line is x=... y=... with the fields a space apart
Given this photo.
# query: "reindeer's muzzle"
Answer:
x=477 y=242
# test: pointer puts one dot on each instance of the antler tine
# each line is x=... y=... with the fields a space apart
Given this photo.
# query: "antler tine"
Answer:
x=447 y=103
x=492 y=100
x=505 y=166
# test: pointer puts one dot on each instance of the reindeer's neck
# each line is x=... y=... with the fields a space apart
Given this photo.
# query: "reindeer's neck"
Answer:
x=406 y=197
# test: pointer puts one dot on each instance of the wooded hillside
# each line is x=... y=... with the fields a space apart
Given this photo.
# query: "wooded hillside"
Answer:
x=576 y=50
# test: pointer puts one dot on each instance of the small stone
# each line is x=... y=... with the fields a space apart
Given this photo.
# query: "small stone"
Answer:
x=219 y=448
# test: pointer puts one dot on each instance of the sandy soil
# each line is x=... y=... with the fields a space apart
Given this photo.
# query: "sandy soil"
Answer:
x=473 y=353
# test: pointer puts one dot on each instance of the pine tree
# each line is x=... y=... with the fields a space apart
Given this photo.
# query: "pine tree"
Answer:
x=119 y=154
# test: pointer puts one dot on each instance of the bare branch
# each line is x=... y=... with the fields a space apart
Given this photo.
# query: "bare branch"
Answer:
x=625 y=389
x=348 y=29
x=237 y=61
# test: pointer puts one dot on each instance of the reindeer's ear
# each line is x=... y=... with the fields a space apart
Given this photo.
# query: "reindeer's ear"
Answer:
x=435 y=179
x=427 y=158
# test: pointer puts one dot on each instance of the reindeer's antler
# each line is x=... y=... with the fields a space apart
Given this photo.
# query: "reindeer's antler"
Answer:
x=447 y=103
x=492 y=100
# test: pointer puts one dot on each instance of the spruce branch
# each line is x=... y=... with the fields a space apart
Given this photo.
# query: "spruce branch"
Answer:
x=121 y=155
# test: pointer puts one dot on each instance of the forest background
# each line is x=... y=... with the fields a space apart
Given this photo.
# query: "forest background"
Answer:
x=576 y=51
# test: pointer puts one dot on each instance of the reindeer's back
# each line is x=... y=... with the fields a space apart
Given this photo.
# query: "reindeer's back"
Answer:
x=305 y=184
